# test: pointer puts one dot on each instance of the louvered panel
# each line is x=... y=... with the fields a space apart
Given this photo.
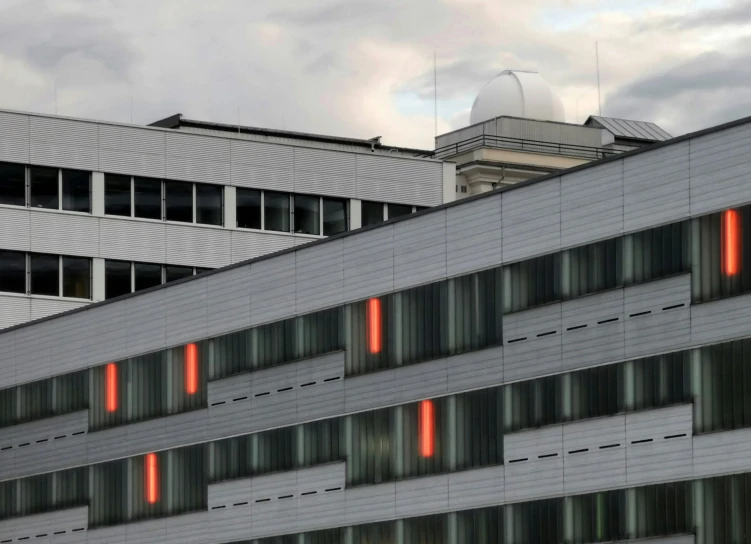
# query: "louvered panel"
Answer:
x=132 y=139
x=186 y=312
x=8 y=349
x=153 y=530
x=15 y=228
x=395 y=179
x=14 y=137
x=323 y=172
x=272 y=289
x=14 y=310
x=531 y=220
x=473 y=233
x=370 y=503
x=42 y=307
x=263 y=177
x=197 y=246
x=481 y=368
x=655 y=187
x=66 y=234
x=33 y=345
x=262 y=154
x=228 y=299
x=131 y=164
x=532 y=341
x=196 y=146
x=197 y=169
x=720 y=320
x=320 y=286
x=721 y=453
x=719 y=165
x=319 y=383
x=248 y=245
x=28 y=527
x=64 y=143
x=198 y=158
x=603 y=464
x=273 y=518
x=380 y=190
x=125 y=239
x=529 y=476
x=476 y=488
x=421 y=496
x=592 y=204
x=368 y=263
x=274 y=400
x=420 y=250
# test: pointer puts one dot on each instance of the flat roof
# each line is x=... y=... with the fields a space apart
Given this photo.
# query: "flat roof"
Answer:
x=626 y=128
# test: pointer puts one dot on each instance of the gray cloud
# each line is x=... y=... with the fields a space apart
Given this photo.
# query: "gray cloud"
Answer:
x=738 y=13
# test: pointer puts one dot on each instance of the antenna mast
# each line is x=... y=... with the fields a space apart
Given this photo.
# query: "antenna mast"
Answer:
x=597 y=57
x=435 y=93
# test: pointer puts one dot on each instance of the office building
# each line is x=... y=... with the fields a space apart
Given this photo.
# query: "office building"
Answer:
x=563 y=360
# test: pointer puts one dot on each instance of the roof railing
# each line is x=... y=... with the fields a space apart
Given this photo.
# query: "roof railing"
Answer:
x=519 y=144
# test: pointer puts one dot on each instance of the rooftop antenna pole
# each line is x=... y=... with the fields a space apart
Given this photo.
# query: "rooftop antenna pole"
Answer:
x=131 y=103
x=435 y=93
x=597 y=57
x=238 y=118
x=55 y=84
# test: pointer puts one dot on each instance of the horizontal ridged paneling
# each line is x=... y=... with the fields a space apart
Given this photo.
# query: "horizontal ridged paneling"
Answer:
x=721 y=453
x=480 y=368
x=369 y=266
x=392 y=179
x=420 y=250
x=64 y=143
x=246 y=245
x=131 y=151
x=603 y=464
x=14 y=137
x=318 y=171
x=195 y=246
x=272 y=289
x=15 y=228
x=530 y=348
x=421 y=496
x=531 y=220
x=527 y=475
x=43 y=307
x=321 y=284
x=473 y=234
x=720 y=320
x=228 y=300
x=186 y=311
x=15 y=310
x=27 y=528
x=65 y=234
x=476 y=488
x=589 y=335
x=124 y=239
x=197 y=158
x=145 y=320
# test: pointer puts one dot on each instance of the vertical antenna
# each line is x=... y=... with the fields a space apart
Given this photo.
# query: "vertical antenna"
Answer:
x=55 y=84
x=597 y=57
x=435 y=93
x=131 y=103
x=238 y=118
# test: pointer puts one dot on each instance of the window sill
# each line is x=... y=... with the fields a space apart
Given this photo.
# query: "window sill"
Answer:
x=46 y=210
x=43 y=297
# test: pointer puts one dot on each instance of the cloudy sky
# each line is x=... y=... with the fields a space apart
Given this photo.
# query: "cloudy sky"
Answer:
x=365 y=68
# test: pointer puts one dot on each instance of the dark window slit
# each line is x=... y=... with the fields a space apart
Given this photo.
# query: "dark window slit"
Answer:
x=61 y=436
x=24 y=538
x=642 y=441
x=286 y=497
x=309 y=493
x=42 y=440
x=79 y=529
x=261 y=394
x=240 y=503
x=24 y=444
x=263 y=500
x=545 y=334
x=673 y=307
x=79 y=432
x=218 y=507
x=217 y=403
x=517 y=340
x=610 y=446
x=307 y=384
x=239 y=398
x=547 y=455
x=333 y=489
x=41 y=536
x=637 y=314
x=578 y=451
x=283 y=389
x=607 y=320
x=59 y=533
x=331 y=379
x=519 y=460
x=6 y=448
x=577 y=327
x=675 y=436
x=4 y=541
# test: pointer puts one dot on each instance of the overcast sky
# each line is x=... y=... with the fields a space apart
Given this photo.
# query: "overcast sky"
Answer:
x=365 y=68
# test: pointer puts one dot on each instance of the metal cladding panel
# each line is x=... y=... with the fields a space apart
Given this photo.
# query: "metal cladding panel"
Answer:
x=720 y=320
x=15 y=228
x=248 y=245
x=57 y=430
x=28 y=527
x=655 y=186
x=16 y=309
x=229 y=524
x=42 y=307
x=274 y=398
x=190 y=245
x=592 y=204
x=126 y=239
x=531 y=220
x=473 y=236
x=532 y=341
x=106 y=444
x=369 y=263
x=395 y=179
x=228 y=300
x=719 y=165
x=481 y=368
x=108 y=535
x=272 y=289
x=590 y=334
x=321 y=510
x=534 y=463
x=262 y=154
x=186 y=311
x=231 y=416
x=14 y=137
x=132 y=164
x=658 y=316
x=323 y=172
x=146 y=322
x=721 y=453
x=273 y=518
x=64 y=233
x=167 y=432
x=659 y=445
x=421 y=496
x=476 y=488
x=319 y=285
x=8 y=349
x=594 y=454
x=263 y=177
x=370 y=503
x=420 y=381
x=64 y=143
x=132 y=140
x=197 y=158
x=370 y=390
x=320 y=386
x=420 y=250
x=153 y=530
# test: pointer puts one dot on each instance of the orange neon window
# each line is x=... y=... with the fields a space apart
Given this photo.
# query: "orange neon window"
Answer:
x=373 y=323
x=191 y=369
x=152 y=478
x=731 y=243
x=110 y=387
x=426 y=428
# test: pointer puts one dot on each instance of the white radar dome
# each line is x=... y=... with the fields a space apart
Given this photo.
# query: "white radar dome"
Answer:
x=517 y=94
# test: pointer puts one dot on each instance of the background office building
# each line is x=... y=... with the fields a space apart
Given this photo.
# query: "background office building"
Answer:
x=567 y=360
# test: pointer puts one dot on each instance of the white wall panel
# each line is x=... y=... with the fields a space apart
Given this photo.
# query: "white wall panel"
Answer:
x=320 y=286
x=369 y=263
x=197 y=246
x=262 y=165
x=228 y=300
x=15 y=310
x=28 y=527
x=125 y=239
x=721 y=453
x=15 y=228
x=532 y=341
x=186 y=312
x=246 y=245
x=531 y=220
x=62 y=233
x=197 y=158
x=44 y=307
x=720 y=320
x=272 y=289
x=420 y=250
x=64 y=143
x=473 y=234
x=14 y=137
x=323 y=172
x=594 y=454
x=394 y=179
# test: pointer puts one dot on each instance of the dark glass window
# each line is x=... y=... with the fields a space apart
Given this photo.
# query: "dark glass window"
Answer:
x=334 y=216
x=200 y=270
x=249 y=208
x=44 y=274
x=147 y=198
x=12 y=184
x=116 y=195
x=44 y=187
x=372 y=213
x=12 y=271
x=398 y=210
x=307 y=214
x=116 y=278
x=76 y=277
x=178 y=201
x=276 y=211
x=147 y=275
x=592 y=268
x=209 y=204
x=531 y=283
x=177 y=272
x=77 y=191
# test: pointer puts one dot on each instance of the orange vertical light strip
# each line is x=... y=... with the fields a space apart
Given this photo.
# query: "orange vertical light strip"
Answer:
x=731 y=243
x=426 y=428
x=191 y=369
x=110 y=387
x=373 y=324
x=152 y=478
